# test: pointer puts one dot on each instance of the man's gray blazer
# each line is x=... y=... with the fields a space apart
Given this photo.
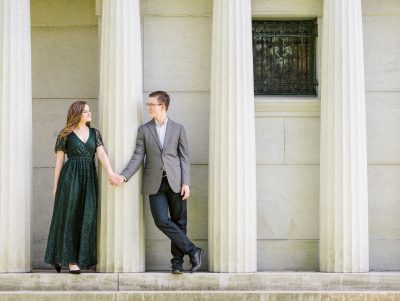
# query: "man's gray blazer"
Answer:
x=173 y=157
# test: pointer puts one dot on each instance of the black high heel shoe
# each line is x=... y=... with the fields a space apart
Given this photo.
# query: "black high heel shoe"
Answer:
x=57 y=267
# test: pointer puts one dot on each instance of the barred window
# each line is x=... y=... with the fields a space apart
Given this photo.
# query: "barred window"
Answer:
x=284 y=57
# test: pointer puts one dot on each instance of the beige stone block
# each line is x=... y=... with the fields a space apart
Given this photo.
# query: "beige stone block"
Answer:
x=49 y=118
x=311 y=8
x=381 y=8
x=57 y=296
x=302 y=139
x=384 y=201
x=260 y=281
x=58 y=282
x=177 y=53
x=42 y=211
x=383 y=127
x=258 y=296
x=197 y=203
x=233 y=282
x=288 y=201
x=177 y=7
x=203 y=295
x=158 y=255
x=38 y=252
x=384 y=254
x=287 y=255
x=382 y=59
x=63 y=13
x=65 y=62
x=270 y=140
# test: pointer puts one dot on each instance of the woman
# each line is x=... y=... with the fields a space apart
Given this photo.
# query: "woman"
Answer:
x=72 y=236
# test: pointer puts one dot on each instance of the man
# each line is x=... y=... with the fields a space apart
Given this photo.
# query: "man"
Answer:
x=166 y=177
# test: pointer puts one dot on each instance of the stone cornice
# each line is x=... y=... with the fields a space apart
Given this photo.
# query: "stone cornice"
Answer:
x=291 y=106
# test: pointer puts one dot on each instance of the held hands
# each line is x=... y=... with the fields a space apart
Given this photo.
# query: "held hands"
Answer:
x=115 y=179
x=185 y=192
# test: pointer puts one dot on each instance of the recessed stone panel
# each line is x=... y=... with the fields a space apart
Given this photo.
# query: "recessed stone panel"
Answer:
x=380 y=8
x=177 y=53
x=288 y=255
x=63 y=13
x=384 y=255
x=270 y=140
x=288 y=201
x=384 y=201
x=177 y=7
x=381 y=53
x=286 y=7
x=383 y=127
x=302 y=140
x=65 y=62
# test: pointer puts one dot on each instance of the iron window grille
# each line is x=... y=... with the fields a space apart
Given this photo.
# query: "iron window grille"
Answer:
x=284 y=57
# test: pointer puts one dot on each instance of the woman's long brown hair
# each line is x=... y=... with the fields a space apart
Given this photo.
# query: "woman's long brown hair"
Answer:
x=74 y=116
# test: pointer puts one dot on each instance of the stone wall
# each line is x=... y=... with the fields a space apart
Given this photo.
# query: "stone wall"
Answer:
x=176 y=54
x=382 y=79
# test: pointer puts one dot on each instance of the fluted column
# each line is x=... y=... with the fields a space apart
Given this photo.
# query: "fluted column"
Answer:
x=121 y=235
x=344 y=194
x=232 y=180
x=15 y=136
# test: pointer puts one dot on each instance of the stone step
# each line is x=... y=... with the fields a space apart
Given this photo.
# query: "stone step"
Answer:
x=163 y=281
x=200 y=286
x=202 y=296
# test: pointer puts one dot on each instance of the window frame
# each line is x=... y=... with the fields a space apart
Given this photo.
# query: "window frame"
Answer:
x=278 y=30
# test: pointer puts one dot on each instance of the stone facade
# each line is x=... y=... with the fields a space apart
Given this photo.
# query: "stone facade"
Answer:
x=176 y=46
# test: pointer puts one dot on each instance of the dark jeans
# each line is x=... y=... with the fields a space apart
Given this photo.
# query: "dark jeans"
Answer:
x=174 y=224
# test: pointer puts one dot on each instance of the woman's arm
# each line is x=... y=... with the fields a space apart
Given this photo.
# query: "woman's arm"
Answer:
x=102 y=155
x=57 y=170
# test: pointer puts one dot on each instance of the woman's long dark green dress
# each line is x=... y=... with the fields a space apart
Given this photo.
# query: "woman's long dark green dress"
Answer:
x=72 y=235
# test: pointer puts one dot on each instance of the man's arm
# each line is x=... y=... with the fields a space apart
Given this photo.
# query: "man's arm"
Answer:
x=183 y=150
x=137 y=158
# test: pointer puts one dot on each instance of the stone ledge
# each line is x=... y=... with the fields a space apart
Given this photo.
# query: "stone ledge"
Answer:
x=58 y=282
x=200 y=295
x=260 y=281
x=56 y=296
x=152 y=282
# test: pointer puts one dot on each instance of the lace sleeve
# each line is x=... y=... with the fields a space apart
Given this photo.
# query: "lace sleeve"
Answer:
x=99 y=140
x=60 y=144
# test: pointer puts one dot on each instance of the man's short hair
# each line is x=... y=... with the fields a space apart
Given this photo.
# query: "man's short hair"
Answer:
x=162 y=97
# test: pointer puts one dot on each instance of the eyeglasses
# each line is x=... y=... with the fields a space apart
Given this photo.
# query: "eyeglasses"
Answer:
x=153 y=104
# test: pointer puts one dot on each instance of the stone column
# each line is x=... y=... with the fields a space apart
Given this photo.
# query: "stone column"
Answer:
x=344 y=191
x=15 y=136
x=232 y=168
x=121 y=229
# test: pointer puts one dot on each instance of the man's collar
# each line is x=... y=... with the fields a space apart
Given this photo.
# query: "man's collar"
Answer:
x=164 y=123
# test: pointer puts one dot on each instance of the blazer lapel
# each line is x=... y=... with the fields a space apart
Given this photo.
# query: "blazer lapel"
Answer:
x=168 y=132
x=154 y=133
